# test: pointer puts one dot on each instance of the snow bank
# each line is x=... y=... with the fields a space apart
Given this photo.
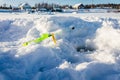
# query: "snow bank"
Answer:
x=87 y=47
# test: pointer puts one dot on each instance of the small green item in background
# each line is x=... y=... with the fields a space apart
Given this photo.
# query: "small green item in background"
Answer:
x=38 y=40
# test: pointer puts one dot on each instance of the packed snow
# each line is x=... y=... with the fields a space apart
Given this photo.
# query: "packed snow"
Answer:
x=88 y=46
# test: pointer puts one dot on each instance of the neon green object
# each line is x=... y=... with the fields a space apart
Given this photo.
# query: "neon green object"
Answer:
x=38 y=40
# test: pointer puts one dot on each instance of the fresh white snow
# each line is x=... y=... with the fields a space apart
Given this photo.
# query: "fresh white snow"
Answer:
x=88 y=46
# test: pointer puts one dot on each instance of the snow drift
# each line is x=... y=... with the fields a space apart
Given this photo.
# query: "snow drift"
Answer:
x=87 y=47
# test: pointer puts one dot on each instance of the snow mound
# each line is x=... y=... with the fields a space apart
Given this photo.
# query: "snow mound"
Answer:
x=87 y=47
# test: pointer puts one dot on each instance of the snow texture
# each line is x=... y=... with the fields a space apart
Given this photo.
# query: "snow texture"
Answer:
x=88 y=46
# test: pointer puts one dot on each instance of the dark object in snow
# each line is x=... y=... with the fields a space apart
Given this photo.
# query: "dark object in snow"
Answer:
x=84 y=49
x=73 y=28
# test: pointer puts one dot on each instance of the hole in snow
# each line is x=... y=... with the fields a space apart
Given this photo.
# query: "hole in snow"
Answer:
x=84 y=49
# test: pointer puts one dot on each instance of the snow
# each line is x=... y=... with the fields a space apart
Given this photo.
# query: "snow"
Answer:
x=87 y=46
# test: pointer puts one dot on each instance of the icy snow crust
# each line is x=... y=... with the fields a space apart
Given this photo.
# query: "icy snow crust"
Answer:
x=88 y=47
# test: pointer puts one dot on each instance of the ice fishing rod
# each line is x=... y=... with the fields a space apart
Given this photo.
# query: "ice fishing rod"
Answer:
x=40 y=39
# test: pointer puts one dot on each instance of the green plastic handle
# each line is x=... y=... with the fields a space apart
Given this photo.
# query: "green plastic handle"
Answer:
x=38 y=40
